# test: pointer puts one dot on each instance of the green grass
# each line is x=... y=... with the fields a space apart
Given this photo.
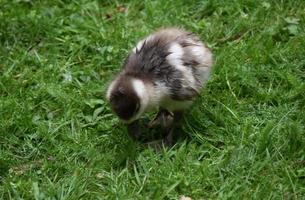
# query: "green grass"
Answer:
x=59 y=139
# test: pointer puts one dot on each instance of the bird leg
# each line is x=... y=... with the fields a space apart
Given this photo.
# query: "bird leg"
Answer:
x=172 y=133
x=169 y=123
x=133 y=130
x=163 y=118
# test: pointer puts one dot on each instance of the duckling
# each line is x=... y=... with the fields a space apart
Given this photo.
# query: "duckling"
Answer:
x=165 y=71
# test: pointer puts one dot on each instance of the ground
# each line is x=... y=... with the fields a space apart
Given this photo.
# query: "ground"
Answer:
x=245 y=134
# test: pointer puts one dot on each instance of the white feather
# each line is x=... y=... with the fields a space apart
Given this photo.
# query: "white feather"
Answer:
x=141 y=43
x=141 y=91
x=109 y=90
x=202 y=56
x=139 y=87
x=175 y=59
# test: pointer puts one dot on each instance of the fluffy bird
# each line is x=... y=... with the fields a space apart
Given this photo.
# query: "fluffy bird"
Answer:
x=165 y=71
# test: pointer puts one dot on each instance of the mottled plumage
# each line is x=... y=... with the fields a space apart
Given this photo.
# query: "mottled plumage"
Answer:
x=165 y=70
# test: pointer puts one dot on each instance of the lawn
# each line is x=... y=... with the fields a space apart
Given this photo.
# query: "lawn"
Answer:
x=245 y=134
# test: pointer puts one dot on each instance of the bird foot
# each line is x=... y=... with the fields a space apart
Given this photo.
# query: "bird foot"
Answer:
x=163 y=118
